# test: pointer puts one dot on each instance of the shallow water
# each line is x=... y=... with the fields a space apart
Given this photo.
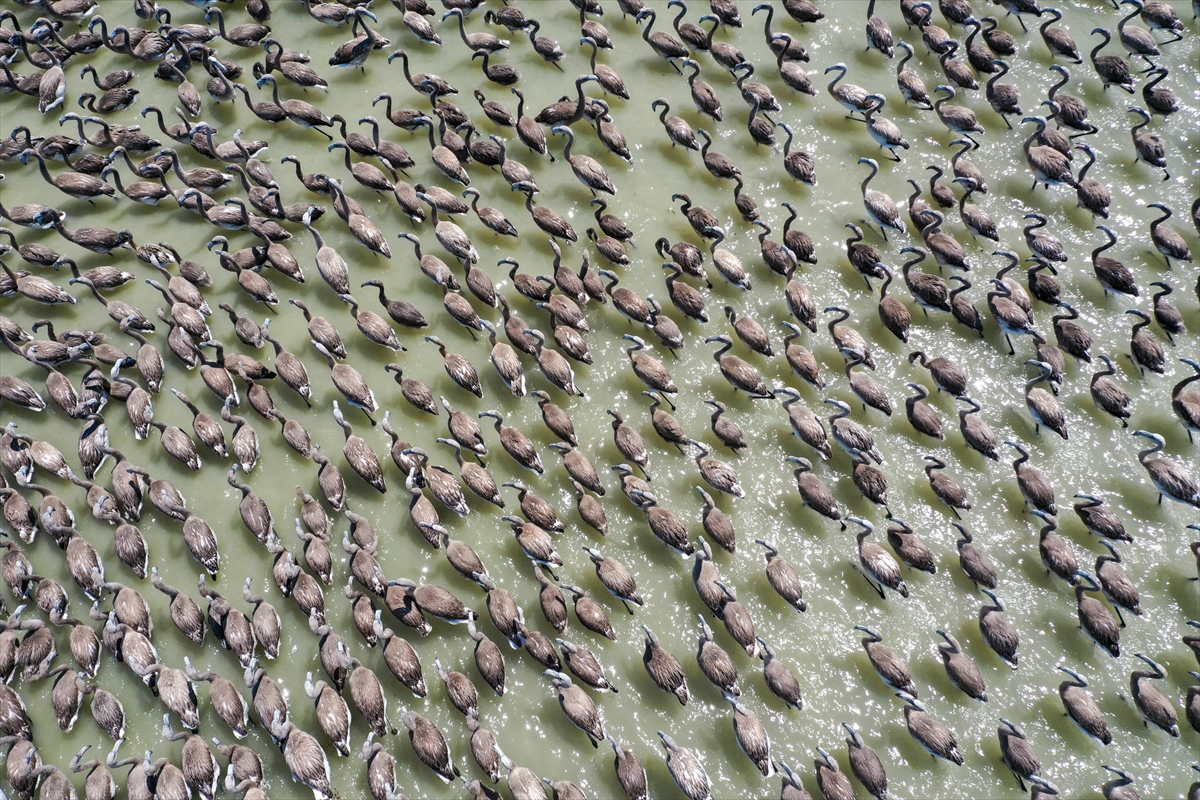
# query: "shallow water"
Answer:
x=838 y=683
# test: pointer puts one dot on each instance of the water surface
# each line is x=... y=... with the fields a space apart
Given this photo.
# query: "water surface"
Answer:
x=838 y=683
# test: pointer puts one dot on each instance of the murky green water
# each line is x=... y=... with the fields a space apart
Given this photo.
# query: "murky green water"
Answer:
x=838 y=683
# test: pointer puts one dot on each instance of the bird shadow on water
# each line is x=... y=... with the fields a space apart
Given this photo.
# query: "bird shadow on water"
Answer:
x=1019 y=423
x=1184 y=591
x=1050 y=708
x=899 y=740
x=554 y=723
x=995 y=763
x=793 y=508
x=1016 y=507
x=860 y=588
x=927 y=671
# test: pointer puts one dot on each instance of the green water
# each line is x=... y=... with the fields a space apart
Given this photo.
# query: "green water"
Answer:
x=838 y=682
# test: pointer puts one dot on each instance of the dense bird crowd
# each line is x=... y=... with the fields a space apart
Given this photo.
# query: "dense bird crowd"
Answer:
x=51 y=41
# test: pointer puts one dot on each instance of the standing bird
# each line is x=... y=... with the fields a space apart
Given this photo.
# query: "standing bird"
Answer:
x=961 y=668
x=1166 y=314
x=877 y=565
x=912 y=88
x=664 y=45
x=975 y=563
x=715 y=663
x=1155 y=707
x=1114 y=276
x=814 y=492
x=578 y=706
x=1082 y=708
x=1100 y=519
x=1120 y=788
x=780 y=680
x=1113 y=70
x=892 y=313
x=947 y=489
x=430 y=745
x=630 y=443
x=360 y=455
x=304 y=756
x=1093 y=195
x=615 y=577
x=664 y=669
x=793 y=787
x=1095 y=618
x=866 y=764
x=1117 y=586
x=937 y=739
x=1057 y=40
x=678 y=130
x=833 y=783
x=889 y=666
x=922 y=415
x=1170 y=478
x=883 y=130
x=1042 y=405
x=717 y=474
x=958 y=119
x=1186 y=401
x=879 y=34
x=1136 y=40
x=880 y=207
x=1017 y=753
x=1167 y=240
x=851 y=96
x=863 y=257
x=686 y=768
x=630 y=772
x=1147 y=352
x=1035 y=487
x=1150 y=147
x=1048 y=165
x=752 y=737
x=852 y=437
x=997 y=631
x=587 y=169
x=783 y=578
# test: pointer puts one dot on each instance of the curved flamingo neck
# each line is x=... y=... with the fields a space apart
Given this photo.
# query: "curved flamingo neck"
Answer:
x=650 y=15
